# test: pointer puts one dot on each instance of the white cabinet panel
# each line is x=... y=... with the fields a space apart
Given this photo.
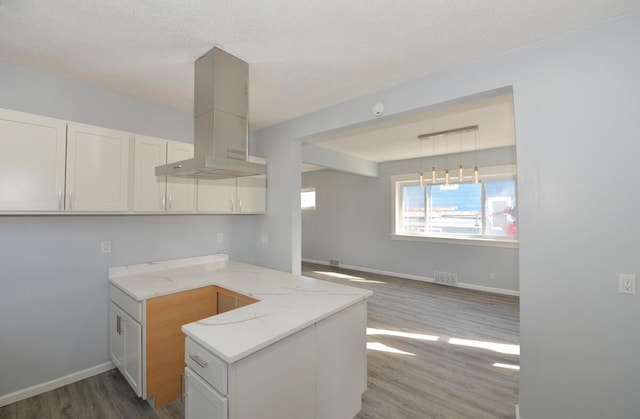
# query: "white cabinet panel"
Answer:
x=161 y=193
x=116 y=342
x=216 y=195
x=252 y=194
x=181 y=192
x=202 y=401
x=342 y=363
x=132 y=368
x=97 y=169
x=284 y=373
x=243 y=195
x=32 y=162
x=149 y=190
x=125 y=346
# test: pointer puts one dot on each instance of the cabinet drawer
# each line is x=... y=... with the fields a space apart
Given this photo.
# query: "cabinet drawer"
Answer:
x=202 y=401
x=128 y=304
x=207 y=365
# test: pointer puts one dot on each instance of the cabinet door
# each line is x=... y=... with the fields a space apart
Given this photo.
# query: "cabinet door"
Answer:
x=132 y=367
x=181 y=192
x=217 y=196
x=116 y=338
x=252 y=194
x=202 y=401
x=97 y=169
x=149 y=190
x=32 y=162
x=125 y=346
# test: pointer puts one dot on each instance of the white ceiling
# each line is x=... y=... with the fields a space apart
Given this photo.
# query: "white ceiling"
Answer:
x=303 y=55
x=398 y=139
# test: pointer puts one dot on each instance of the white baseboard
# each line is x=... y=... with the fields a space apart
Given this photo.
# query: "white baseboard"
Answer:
x=16 y=396
x=518 y=412
x=418 y=278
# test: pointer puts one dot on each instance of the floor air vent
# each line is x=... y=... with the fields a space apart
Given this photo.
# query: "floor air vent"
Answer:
x=334 y=262
x=445 y=278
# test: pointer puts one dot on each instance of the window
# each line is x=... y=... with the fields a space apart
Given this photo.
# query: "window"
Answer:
x=483 y=211
x=308 y=199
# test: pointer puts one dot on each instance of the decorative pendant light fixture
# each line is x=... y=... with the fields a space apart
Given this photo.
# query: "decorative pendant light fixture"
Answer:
x=446 y=133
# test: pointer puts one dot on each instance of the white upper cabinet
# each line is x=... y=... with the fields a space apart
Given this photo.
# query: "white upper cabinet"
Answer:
x=252 y=194
x=97 y=169
x=149 y=190
x=217 y=195
x=243 y=195
x=55 y=166
x=32 y=162
x=181 y=192
x=159 y=193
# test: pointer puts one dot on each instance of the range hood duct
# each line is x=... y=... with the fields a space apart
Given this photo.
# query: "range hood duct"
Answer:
x=221 y=108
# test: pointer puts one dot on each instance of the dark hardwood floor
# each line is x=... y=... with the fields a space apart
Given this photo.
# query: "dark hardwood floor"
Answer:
x=432 y=355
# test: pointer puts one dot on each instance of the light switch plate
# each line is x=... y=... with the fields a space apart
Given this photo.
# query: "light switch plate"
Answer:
x=105 y=246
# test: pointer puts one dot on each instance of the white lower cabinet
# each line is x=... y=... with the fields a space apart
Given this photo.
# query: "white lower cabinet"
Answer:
x=202 y=400
x=125 y=345
x=319 y=372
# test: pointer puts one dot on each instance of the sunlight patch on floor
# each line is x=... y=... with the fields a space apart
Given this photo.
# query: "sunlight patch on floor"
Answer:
x=507 y=366
x=502 y=348
x=377 y=346
x=417 y=336
x=348 y=277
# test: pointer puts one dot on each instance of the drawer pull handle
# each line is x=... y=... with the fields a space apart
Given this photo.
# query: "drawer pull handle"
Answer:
x=199 y=361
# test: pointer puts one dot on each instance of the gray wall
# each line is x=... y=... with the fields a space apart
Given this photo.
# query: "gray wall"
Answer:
x=353 y=220
x=576 y=101
x=53 y=278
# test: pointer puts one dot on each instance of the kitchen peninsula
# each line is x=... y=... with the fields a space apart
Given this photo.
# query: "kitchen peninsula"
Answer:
x=259 y=342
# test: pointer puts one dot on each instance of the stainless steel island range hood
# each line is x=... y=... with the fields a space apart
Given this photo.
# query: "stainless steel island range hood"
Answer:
x=221 y=105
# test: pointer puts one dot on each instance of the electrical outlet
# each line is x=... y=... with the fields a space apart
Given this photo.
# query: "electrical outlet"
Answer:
x=627 y=283
x=220 y=237
x=492 y=276
x=265 y=239
x=105 y=246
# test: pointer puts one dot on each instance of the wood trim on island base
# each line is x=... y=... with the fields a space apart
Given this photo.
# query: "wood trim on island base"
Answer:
x=165 y=340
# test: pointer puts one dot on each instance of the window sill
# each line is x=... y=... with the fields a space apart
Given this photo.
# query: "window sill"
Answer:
x=507 y=244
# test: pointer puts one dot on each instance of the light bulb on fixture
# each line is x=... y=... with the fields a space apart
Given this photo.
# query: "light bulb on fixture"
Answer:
x=476 y=177
x=446 y=177
x=460 y=173
x=433 y=174
x=421 y=180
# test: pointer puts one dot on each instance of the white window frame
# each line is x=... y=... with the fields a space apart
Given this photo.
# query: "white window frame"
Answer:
x=503 y=172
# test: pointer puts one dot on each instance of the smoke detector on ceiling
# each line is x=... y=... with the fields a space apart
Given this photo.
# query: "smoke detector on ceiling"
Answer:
x=377 y=109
